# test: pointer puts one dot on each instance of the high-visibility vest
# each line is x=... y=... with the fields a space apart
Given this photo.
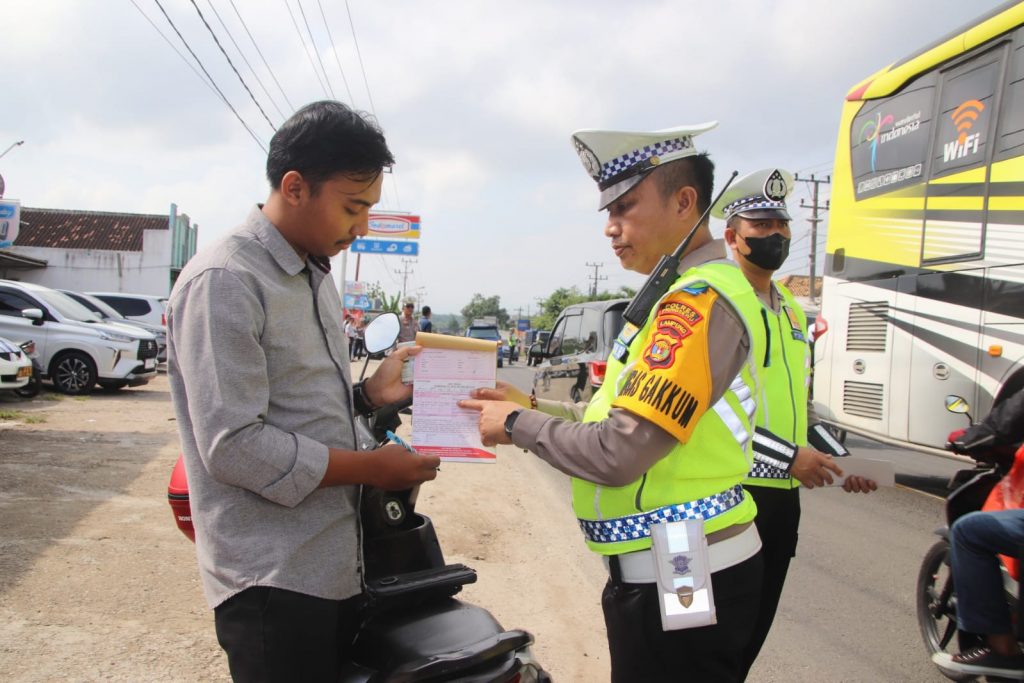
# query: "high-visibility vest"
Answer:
x=709 y=467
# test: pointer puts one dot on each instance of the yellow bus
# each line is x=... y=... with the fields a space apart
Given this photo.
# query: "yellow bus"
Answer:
x=923 y=290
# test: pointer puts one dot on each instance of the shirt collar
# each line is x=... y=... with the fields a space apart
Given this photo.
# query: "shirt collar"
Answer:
x=712 y=251
x=274 y=242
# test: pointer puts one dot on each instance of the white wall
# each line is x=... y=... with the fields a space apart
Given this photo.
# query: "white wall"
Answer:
x=101 y=270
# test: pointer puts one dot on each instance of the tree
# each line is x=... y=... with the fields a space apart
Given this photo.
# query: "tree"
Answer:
x=480 y=306
x=562 y=297
x=382 y=301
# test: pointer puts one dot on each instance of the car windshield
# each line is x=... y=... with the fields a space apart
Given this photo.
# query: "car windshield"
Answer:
x=67 y=307
x=490 y=333
x=97 y=306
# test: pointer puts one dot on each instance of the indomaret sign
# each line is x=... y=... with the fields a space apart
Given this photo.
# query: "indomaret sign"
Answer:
x=398 y=225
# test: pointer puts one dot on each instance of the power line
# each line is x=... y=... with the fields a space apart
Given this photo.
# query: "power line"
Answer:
x=306 y=49
x=176 y=50
x=232 y=65
x=212 y=82
x=334 y=50
x=260 y=53
x=244 y=59
x=312 y=41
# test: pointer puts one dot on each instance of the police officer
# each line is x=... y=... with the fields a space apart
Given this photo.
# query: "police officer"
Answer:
x=790 y=446
x=667 y=437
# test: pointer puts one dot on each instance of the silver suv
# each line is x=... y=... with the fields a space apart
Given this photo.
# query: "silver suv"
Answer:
x=75 y=349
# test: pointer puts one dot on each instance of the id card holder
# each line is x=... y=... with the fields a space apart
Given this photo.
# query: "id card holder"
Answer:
x=683 y=574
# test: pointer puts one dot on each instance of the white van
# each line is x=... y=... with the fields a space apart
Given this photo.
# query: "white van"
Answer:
x=76 y=351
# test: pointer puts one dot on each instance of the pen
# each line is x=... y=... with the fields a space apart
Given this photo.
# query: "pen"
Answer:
x=395 y=438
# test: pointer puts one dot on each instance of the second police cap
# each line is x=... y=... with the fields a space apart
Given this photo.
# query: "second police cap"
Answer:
x=762 y=194
x=618 y=159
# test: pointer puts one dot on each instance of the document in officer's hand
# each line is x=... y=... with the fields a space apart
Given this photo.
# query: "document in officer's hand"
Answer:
x=444 y=373
x=881 y=472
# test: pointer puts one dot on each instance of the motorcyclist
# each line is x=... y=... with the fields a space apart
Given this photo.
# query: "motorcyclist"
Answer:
x=976 y=541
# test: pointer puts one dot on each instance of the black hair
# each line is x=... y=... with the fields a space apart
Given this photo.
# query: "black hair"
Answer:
x=425 y=311
x=696 y=171
x=325 y=139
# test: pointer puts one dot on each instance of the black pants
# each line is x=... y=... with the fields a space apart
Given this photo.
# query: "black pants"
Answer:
x=272 y=634
x=643 y=653
x=778 y=519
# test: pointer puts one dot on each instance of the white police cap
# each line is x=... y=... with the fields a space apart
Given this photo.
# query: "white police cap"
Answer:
x=761 y=194
x=617 y=159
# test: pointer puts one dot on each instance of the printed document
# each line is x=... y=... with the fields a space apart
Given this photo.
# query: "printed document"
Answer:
x=444 y=373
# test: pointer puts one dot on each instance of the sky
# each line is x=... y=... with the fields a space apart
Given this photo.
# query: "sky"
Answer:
x=477 y=98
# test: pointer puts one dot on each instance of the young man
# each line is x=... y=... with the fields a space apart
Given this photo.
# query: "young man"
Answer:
x=425 y=324
x=265 y=402
x=667 y=438
x=758 y=235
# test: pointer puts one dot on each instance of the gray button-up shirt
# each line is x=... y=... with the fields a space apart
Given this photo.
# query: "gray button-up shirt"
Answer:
x=258 y=366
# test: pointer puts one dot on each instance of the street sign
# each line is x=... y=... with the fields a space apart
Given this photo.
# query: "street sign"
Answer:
x=523 y=324
x=395 y=225
x=385 y=247
x=357 y=301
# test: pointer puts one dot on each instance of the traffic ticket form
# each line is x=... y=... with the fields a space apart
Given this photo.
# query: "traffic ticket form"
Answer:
x=444 y=373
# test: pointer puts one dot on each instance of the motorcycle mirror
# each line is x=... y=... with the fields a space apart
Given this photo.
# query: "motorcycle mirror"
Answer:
x=957 y=404
x=381 y=333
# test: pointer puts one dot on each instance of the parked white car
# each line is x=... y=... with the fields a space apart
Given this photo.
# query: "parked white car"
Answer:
x=145 y=307
x=109 y=314
x=15 y=365
x=75 y=349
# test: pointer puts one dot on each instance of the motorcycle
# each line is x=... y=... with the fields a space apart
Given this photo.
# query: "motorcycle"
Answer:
x=413 y=628
x=35 y=382
x=936 y=595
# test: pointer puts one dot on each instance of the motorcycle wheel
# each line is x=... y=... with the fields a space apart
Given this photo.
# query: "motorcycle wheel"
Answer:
x=936 y=605
x=32 y=389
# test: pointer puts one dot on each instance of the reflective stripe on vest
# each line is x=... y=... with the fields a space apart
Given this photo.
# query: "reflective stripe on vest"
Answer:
x=714 y=460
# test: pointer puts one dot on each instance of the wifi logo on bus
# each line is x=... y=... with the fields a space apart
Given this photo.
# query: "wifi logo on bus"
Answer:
x=964 y=117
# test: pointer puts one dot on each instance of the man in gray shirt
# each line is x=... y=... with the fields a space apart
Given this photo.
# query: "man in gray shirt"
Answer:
x=259 y=372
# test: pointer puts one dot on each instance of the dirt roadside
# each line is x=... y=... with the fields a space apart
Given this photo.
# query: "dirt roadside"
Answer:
x=96 y=583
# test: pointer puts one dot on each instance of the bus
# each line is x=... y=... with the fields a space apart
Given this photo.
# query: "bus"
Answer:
x=923 y=287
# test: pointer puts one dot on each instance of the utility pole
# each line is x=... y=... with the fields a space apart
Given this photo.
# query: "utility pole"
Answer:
x=814 y=206
x=595 y=277
x=406 y=269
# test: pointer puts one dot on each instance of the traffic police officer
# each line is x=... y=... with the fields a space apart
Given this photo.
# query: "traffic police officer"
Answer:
x=790 y=446
x=668 y=435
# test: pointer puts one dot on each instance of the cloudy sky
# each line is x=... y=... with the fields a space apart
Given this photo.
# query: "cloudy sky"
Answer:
x=477 y=98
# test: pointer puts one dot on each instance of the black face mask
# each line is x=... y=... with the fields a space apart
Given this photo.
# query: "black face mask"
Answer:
x=768 y=252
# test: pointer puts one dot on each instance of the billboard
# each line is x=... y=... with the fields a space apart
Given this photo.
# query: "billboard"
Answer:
x=405 y=226
x=364 y=245
x=10 y=221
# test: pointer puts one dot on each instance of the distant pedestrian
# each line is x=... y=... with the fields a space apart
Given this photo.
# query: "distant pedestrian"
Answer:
x=408 y=327
x=351 y=334
x=360 y=339
x=425 y=324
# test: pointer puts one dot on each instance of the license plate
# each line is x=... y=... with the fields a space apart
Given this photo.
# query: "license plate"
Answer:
x=149 y=363
x=25 y=371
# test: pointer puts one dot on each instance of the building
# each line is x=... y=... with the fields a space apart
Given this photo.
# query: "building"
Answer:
x=100 y=250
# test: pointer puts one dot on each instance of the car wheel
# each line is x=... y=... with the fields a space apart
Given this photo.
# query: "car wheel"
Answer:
x=73 y=373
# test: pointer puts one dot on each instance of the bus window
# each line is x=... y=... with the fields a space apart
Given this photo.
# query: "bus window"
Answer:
x=1011 y=134
x=964 y=115
x=889 y=139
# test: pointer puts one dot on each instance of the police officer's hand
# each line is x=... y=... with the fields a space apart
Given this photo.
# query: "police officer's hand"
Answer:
x=811 y=467
x=396 y=469
x=385 y=386
x=502 y=392
x=859 y=485
x=492 y=419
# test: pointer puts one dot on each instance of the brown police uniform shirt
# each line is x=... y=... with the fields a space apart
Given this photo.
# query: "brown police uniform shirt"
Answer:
x=620 y=448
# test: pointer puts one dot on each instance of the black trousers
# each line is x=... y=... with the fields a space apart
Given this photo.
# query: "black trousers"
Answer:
x=643 y=653
x=272 y=634
x=778 y=521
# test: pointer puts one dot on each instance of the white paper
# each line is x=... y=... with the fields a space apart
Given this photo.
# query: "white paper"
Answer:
x=443 y=377
x=881 y=472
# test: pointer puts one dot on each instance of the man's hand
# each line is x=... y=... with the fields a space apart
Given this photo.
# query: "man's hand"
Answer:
x=859 y=485
x=385 y=385
x=396 y=469
x=811 y=467
x=502 y=392
x=492 y=418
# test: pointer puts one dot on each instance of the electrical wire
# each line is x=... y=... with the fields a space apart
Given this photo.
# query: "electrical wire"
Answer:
x=303 y=41
x=176 y=50
x=312 y=41
x=231 y=64
x=260 y=53
x=214 y=83
x=334 y=50
x=244 y=59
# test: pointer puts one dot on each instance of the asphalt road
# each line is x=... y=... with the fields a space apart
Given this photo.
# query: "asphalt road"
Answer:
x=848 y=609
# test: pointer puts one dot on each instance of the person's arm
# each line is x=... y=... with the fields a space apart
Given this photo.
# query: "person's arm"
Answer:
x=620 y=448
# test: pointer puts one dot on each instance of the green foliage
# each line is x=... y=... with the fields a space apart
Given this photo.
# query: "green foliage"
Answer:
x=382 y=300
x=562 y=297
x=480 y=306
